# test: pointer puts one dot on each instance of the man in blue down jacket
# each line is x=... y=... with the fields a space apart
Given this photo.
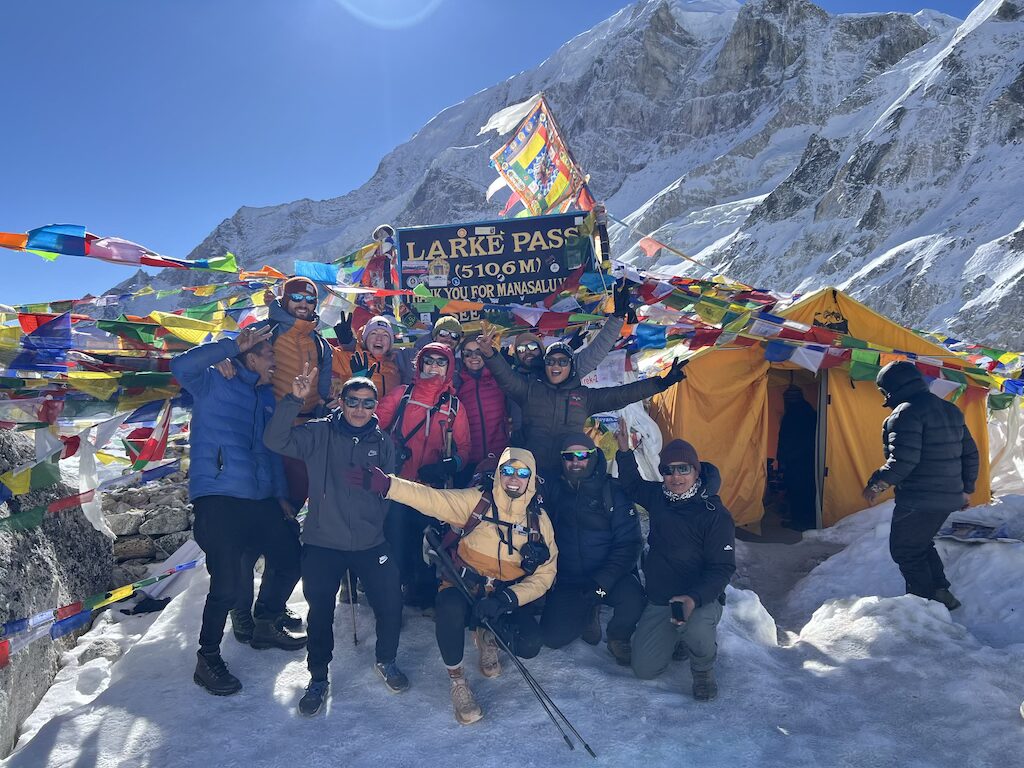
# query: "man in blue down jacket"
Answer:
x=932 y=461
x=599 y=541
x=238 y=494
x=690 y=561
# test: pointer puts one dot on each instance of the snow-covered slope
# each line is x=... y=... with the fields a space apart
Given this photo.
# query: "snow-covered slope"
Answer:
x=789 y=147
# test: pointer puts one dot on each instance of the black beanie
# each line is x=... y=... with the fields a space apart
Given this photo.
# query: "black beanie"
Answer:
x=576 y=438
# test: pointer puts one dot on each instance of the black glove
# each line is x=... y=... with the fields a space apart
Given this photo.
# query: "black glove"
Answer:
x=675 y=373
x=436 y=474
x=490 y=608
x=576 y=340
x=343 y=330
x=361 y=366
x=620 y=295
x=592 y=593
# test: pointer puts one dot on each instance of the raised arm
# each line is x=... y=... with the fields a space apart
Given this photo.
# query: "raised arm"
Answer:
x=280 y=436
x=588 y=358
x=641 y=491
x=515 y=386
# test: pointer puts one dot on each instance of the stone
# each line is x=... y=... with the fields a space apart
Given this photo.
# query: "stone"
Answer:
x=171 y=541
x=134 y=547
x=165 y=520
x=102 y=648
x=126 y=523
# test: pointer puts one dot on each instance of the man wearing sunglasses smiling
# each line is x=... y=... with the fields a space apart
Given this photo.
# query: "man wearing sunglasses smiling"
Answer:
x=599 y=541
x=344 y=528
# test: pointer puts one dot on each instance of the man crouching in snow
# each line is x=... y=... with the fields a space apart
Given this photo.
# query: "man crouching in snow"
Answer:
x=506 y=553
x=345 y=525
x=932 y=460
x=238 y=494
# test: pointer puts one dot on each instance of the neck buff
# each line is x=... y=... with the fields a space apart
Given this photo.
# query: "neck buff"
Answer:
x=674 y=497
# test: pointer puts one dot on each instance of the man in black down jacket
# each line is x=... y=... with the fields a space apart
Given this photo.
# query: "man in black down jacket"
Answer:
x=599 y=541
x=345 y=525
x=932 y=461
x=689 y=563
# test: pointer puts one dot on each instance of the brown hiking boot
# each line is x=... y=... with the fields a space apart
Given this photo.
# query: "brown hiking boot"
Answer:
x=489 y=664
x=467 y=711
x=704 y=686
x=622 y=651
x=592 y=631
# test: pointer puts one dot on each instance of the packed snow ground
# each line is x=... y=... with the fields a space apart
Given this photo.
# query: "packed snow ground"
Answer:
x=863 y=676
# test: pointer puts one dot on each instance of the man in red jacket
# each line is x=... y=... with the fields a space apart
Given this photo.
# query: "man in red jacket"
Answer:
x=431 y=434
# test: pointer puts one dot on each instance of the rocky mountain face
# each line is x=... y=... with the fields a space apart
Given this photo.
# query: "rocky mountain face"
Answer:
x=778 y=144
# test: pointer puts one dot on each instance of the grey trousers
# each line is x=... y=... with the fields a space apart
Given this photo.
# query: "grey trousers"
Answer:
x=656 y=637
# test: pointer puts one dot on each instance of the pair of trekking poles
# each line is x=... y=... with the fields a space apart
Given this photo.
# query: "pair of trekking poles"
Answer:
x=441 y=556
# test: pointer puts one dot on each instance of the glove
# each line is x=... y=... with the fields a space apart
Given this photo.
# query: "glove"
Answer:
x=675 y=373
x=343 y=330
x=361 y=364
x=436 y=474
x=490 y=608
x=369 y=478
x=576 y=340
x=592 y=593
x=620 y=296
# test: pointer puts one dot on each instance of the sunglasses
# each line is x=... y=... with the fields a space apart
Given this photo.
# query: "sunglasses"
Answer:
x=449 y=334
x=508 y=471
x=557 y=361
x=472 y=353
x=368 y=403
x=531 y=346
x=676 y=469
x=440 y=362
x=578 y=455
x=302 y=297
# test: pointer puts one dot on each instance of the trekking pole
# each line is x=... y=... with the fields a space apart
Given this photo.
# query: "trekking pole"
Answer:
x=352 y=602
x=545 y=700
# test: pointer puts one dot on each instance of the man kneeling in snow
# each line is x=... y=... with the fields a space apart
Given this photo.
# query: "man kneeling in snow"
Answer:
x=505 y=554
x=345 y=526
x=932 y=460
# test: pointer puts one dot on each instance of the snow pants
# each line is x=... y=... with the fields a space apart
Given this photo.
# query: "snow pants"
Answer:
x=566 y=613
x=224 y=527
x=453 y=613
x=322 y=572
x=656 y=637
x=912 y=546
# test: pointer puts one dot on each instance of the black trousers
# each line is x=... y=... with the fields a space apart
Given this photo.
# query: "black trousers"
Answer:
x=322 y=572
x=453 y=613
x=403 y=528
x=566 y=611
x=224 y=527
x=912 y=546
x=245 y=581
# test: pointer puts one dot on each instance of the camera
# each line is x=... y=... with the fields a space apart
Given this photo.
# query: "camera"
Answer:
x=532 y=555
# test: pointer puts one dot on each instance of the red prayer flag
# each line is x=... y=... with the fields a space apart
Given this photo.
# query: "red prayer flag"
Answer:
x=650 y=246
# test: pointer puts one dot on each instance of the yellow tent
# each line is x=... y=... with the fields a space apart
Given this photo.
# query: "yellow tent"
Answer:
x=730 y=406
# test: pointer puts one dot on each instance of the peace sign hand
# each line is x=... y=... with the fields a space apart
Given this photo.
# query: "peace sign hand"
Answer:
x=249 y=337
x=487 y=339
x=302 y=384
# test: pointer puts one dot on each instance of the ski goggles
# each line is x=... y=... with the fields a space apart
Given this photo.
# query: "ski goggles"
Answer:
x=440 y=362
x=557 y=361
x=675 y=469
x=302 y=297
x=367 y=403
x=444 y=333
x=530 y=346
x=578 y=455
x=507 y=470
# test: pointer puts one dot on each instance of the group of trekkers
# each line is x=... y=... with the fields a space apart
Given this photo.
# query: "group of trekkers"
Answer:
x=488 y=455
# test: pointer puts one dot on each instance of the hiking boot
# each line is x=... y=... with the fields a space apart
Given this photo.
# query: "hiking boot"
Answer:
x=488 y=647
x=313 y=699
x=946 y=597
x=704 y=686
x=466 y=709
x=289 y=620
x=267 y=634
x=622 y=650
x=212 y=674
x=393 y=677
x=242 y=625
x=680 y=653
x=592 y=631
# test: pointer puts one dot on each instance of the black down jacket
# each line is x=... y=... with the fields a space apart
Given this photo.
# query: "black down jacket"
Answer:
x=930 y=456
x=596 y=528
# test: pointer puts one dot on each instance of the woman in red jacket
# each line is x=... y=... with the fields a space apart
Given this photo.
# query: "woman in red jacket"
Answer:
x=432 y=440
x=484 y=402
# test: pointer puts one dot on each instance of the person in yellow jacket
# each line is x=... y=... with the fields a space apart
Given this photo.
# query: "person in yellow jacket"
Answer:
x=504 y=545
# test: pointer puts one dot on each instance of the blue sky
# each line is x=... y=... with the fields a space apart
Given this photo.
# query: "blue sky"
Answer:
x=156 y=120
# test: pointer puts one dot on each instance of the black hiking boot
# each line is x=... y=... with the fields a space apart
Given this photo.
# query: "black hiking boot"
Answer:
x=313 y=699
x=393 y=677
x=704 y=686
x=622 y=651
x=267 y=634
x=212 y=674
x=289 y=620
x=592 y=631
x=242 y=625
x=946 y=597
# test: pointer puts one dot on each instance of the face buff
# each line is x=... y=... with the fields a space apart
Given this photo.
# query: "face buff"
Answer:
x=689 y=494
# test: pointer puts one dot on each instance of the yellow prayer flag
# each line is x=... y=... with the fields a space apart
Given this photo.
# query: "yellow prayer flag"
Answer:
x=186 y=328
x=99 y=384
x=118 y=594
